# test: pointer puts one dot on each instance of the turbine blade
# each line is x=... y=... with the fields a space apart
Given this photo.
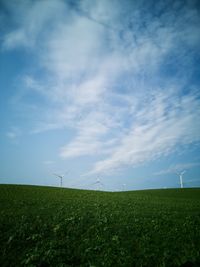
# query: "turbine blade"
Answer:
x=55 y=174
x=60 y=176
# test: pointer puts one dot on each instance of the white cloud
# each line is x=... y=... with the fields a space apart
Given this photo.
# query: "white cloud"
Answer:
x=16 y=38
x=89 y=139
x=178 y=167
x=103 y=66
x=157 y=129
x=31 y=18
x=73 y=47
x=14 y=133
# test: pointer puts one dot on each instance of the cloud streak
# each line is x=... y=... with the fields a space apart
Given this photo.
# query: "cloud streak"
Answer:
x=108 y=76
x=178 y=167
x=159 y=128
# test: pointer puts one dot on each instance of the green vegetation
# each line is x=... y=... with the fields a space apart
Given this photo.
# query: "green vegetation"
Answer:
x=43 y=226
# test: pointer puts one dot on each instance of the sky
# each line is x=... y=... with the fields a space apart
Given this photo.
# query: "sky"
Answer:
x=103 y=91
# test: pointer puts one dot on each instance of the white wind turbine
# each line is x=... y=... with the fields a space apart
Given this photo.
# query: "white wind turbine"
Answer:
x=181 y=177
x=124 y=187
x=98 y=183
x=60 y=177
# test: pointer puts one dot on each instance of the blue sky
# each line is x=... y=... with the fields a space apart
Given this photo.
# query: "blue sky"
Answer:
x=103 y=90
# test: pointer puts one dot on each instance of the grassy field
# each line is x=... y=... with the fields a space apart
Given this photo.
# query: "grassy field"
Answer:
x=43 y=226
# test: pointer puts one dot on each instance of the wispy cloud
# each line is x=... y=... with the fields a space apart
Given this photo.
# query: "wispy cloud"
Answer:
x=48 y=162
x=178 y=167
x=158 y=128
x=13 y=133
x=31 y=19
x=91 y=136
x=108 y=76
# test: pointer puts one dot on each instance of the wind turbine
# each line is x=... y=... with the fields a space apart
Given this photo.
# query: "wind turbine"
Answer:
x=181 y=177
x=98 y=183
x=124 y=187
x=61 y=178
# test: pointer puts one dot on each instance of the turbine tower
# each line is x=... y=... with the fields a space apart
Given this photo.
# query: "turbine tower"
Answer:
x=98 y=183
x=181 y=177
x=124 y=187
x=61 y=178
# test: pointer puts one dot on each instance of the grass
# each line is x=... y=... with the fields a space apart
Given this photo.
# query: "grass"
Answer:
x=43 y=226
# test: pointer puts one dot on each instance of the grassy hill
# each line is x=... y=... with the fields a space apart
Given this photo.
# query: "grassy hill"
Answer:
x=44 y=226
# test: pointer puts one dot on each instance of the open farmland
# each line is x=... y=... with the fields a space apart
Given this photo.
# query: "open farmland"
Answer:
x=43 y=226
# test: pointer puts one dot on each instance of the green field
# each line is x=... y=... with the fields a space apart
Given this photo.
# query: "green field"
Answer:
x=44 y=226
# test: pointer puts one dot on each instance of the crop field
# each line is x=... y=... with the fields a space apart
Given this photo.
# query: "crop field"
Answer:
x=45 y=226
